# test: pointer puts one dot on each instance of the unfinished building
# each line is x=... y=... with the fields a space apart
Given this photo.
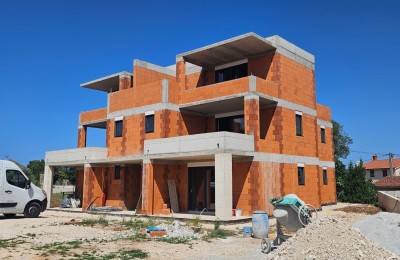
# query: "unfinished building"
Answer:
x=229 y=126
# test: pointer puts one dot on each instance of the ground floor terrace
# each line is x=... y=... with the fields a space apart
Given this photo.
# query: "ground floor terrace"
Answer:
x=211 y=184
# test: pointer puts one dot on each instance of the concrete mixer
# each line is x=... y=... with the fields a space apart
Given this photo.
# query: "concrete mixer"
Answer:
x=291 y=213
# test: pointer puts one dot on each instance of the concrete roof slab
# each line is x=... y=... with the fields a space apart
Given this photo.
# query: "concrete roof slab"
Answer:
x=237 y=48
x=108 y=83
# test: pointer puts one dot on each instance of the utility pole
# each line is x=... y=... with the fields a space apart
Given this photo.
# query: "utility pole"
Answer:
x=391 y=163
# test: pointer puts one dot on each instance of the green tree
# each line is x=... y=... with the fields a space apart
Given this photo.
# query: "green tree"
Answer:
x=64 y=173
x=36 y=167
x=351 y=185
x=354 y=187
x=341 y=141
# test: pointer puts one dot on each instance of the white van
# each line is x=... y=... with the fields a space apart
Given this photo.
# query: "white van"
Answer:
x=17 y=194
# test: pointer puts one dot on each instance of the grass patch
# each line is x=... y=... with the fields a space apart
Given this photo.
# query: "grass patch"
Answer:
x=100 y=221
x=196 y=222
x=10 y=243
x=218 y=232
x=174 y=240
x=60 y=248
x=123 y=255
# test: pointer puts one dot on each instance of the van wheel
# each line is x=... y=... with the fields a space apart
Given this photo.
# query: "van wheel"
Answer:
x=32 y=210
x=9 y=215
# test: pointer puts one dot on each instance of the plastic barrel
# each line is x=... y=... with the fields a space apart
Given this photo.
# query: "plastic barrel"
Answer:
x=260 y=224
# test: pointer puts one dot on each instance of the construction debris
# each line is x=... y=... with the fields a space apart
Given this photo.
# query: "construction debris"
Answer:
x=329 y=238
x=176 y=230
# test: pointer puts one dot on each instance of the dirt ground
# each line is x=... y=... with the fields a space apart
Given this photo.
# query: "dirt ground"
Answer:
x=112 y=237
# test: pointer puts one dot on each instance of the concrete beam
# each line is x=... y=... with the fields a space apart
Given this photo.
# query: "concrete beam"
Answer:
x=223 y=186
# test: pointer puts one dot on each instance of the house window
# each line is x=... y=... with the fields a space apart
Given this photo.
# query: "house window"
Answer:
x=323 y=135
x=300 y=175
x=299 y=124
x=149 y=122
x=325 y=176
x=118 y=128
x=234 y=72
x=117 y=173
x=371 y=173
x=384 y=172
x=233 y=124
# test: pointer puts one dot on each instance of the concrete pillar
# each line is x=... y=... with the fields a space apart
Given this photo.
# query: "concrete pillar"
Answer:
x=223 y=186
x=87 y=196
x=181 y=74
x=252 y=118
x=48 y=183
x=147 y=187
x=81 y=136
x=125 y=81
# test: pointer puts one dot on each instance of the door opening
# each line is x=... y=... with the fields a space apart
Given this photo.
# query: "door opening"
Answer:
x=201 y=188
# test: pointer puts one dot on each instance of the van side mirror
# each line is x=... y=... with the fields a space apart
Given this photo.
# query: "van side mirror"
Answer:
x=27 y=184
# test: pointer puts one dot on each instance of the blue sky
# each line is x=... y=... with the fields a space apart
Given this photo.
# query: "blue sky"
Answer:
x=48 y=48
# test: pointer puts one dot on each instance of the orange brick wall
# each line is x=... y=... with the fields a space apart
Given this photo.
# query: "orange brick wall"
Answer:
x=262 y=67
x=278 y=133
x=308 y=192
x=137 y=96
x=328 y=192
x=93 y=115
x=143 y=76
x=161 y=202
x=216 y=90
x=93 y=186
x=132 y=140
x=324 y=113
x=296 y=82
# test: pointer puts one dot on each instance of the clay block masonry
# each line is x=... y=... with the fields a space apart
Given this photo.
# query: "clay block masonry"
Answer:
x=230 y=125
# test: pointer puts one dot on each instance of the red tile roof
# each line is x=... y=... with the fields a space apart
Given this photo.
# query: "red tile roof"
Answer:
x=388 y=182
x=381 y=164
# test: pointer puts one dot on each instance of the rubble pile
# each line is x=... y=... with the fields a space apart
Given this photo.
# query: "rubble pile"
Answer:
x=176 y=230
x=329 y=238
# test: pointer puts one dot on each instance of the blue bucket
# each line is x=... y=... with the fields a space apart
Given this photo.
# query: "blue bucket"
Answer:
x=247 y=231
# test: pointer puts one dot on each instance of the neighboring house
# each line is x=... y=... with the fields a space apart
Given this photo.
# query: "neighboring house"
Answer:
x=230 y=125
x=377 y=169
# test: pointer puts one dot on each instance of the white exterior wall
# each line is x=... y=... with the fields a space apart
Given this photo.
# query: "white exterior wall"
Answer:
x=379 y=174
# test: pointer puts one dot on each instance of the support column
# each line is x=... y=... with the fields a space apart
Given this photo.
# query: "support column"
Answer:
x=252 y=118
x=125 y=81
x=81 y=136
x=87 y=196
x=48 y=183
x=147 y=187
x=181 y=74
x=223 y=186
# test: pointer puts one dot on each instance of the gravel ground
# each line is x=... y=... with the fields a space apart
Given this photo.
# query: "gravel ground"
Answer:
x=329 y=238
x=50 y=228
x=383 y=228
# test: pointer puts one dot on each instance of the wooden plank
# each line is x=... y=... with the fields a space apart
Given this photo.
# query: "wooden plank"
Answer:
x=173 y=196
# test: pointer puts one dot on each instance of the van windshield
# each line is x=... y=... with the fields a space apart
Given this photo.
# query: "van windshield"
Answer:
x=16 y=178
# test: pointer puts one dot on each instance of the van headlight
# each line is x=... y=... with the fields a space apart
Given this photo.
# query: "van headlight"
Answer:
x=44 y=192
